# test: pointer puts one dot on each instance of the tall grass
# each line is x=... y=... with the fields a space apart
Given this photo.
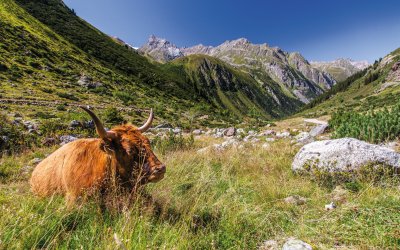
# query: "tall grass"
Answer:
x=216 y=200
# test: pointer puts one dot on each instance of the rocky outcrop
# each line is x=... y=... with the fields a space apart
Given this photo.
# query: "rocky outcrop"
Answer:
x=343 y=155
x=160 y=49
x=340 y=69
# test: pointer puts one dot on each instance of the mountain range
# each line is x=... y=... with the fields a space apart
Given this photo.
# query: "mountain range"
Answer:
x=49 y=53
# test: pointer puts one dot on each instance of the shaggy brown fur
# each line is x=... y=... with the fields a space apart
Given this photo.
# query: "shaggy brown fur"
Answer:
x=86 y=164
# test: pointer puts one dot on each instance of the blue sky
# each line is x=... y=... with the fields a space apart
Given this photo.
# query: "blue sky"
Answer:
x=319 y=29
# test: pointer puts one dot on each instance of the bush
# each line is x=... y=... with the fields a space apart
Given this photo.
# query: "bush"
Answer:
x=172 y=143
x=113 y=116
x=67 y=96
x=373 y=126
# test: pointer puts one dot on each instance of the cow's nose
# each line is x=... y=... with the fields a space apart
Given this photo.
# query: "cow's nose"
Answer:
x=161 y=169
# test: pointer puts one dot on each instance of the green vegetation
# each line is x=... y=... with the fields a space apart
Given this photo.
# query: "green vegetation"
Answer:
x=374 y=126
x=339 y=87
x=217 y=200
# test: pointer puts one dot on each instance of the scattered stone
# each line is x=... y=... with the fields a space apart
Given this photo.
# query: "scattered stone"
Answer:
x=270 y=139
x=269 y=245
x=318 y=130
x=35 y=161
x=219 y=135
x=239 y=131
x=87 y=82
x=343 y=155
x=197 y=132
x=330 y=206
x=251 y=132
x=231 y=131
x=304 y=138
x=267 y=133
x=177 y=130
x=254 y=140
x=75 y=124
x=89 y=124
x=295 y=200
x=294 y=244
x=67 y=138
x=49 y=141
x=283 y=134
x=5 y=138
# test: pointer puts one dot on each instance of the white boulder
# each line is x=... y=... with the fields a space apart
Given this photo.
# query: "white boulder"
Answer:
x=342 y=155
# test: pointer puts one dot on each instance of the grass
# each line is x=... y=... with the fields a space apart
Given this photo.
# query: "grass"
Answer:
x=222 y=200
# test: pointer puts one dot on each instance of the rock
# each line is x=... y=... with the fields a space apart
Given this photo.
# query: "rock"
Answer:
x=304 y=138
x=295 y=200
x=269 y=245
x=318 y=130
x=4 y=138
x=248 y=138
x=75 y=124
x=270 y=139
x=177 y=130
x=35 y=161
x=391 y=145
x=343 y=155
x=49 y=141
x=231 y=131
x=251 y=132
x=218 y=135
x=87 y=82
x=330 y=206
x=294 y=244
x=267 y=133
x=89 y=124
x=283 y=134
x=67 y=138
x=197 y=132
x=254 y=140
x=239 y=131
x=339 y=194
x=164 y=125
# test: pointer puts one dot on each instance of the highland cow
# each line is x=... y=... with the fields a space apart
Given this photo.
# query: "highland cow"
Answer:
x=122 y=154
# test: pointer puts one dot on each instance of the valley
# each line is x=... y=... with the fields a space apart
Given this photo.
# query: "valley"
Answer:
x=263 y=149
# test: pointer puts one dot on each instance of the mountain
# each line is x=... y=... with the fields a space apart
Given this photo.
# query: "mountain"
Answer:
x=160 y=49
x=296 y=77
x=341 y=68
x=375 y=87
x=50 y=56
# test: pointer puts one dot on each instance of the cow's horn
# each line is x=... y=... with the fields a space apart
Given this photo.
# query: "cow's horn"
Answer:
x=99 y=126
x=147 y=125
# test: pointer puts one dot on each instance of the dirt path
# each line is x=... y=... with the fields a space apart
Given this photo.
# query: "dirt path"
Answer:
x=315 y=121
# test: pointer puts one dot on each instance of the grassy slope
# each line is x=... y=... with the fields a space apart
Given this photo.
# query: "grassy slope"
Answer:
x=361 y=96
x=206 y=201
x=41 y=64
x=232 y=88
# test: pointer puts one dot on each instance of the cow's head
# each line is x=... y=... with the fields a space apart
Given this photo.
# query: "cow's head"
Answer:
x=131 y=149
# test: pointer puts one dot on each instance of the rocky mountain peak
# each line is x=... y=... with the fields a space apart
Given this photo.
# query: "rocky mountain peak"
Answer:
x=160 y=49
